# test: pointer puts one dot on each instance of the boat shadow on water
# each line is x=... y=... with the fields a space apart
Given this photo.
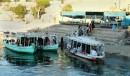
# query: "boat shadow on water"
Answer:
x=93 y=67
x=22 y=59
x=111 y=65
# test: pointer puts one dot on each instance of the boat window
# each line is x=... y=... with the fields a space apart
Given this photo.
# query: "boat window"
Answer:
x=72 y=43
x=18 y=42
x=54 y=39
x=83 y=46
x=46 y=41
x=95 y=48
x=7 y=41
x=40 y=41
x=78 y=44
x=31 y=40
x=83 y=49
x=35 y=38
x=12 y=40
x=75 y=44
x=26 y=41
x=22 y=41
x=100 y=48
x=88 y=49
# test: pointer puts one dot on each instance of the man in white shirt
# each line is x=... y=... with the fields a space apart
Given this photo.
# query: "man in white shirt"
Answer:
x=93 y=52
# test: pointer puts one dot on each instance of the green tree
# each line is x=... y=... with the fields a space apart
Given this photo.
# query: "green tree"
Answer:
x=62 y=1
x=4 y=0
x=38 y=10
x=16 y=0
x=34 y=12
x=20 y=10
x=67 y=7
x=41 y=4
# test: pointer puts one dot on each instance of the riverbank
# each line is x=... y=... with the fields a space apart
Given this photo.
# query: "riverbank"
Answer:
x=111 y=38
x=108 y=36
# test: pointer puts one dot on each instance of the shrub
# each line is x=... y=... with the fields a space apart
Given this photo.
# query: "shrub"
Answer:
x=34 y=12
x=20 y=10
x=42 y=11
x=67 y=7
x=42 y=2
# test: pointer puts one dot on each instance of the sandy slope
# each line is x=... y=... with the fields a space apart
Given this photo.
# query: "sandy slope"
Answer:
x=19 y=26
x=97 y=5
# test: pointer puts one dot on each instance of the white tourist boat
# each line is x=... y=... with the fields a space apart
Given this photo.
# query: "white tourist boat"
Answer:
x=85 y=47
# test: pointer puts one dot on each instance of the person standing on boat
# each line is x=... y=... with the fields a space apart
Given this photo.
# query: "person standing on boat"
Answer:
x=54 y=39
x=93 y=26
x=93 y=52
x=80 y=26
x=75 y=33
x=79 y=49
x=80 y=31
x=89 y=29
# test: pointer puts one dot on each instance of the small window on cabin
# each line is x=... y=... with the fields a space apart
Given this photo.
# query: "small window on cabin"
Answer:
x=54 y=39
x=94 y=48
x=40 y=41
x=72 y=43
x=100 y=48
x=75 y=44
x=78 y=44
x=88 y=49
x=46 y=41
x=83 y=46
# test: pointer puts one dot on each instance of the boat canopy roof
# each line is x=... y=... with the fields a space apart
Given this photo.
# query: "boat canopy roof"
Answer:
x=86 y=40
x=75 y=13
x=40 y=35
x=115 y=14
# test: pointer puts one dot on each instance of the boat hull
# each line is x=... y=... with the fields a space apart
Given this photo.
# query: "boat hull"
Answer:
x=20 y=49
x=87 y=58
x=51 y=48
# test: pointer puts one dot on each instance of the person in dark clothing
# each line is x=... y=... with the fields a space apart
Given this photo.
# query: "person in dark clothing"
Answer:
x=80 y=31
x=92 y=23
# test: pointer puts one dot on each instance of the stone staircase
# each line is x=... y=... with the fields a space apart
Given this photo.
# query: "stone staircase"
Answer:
x=108 y=36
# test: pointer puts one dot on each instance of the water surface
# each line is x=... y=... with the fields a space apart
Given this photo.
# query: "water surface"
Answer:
x=60 y=64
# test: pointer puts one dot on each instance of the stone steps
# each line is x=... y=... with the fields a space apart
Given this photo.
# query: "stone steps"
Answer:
x=108 y=35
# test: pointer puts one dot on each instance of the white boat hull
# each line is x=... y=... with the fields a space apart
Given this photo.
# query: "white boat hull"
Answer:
x=86 y=56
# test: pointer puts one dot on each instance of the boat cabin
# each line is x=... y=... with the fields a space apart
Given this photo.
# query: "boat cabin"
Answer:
x=26 y=39
x=85 y=45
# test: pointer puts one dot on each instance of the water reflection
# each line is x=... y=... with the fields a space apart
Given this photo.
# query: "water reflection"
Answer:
x=87 y=66
x=61 y=64
x=19 y=59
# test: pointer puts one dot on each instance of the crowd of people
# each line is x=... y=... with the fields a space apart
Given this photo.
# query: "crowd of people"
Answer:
x=85 y=31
